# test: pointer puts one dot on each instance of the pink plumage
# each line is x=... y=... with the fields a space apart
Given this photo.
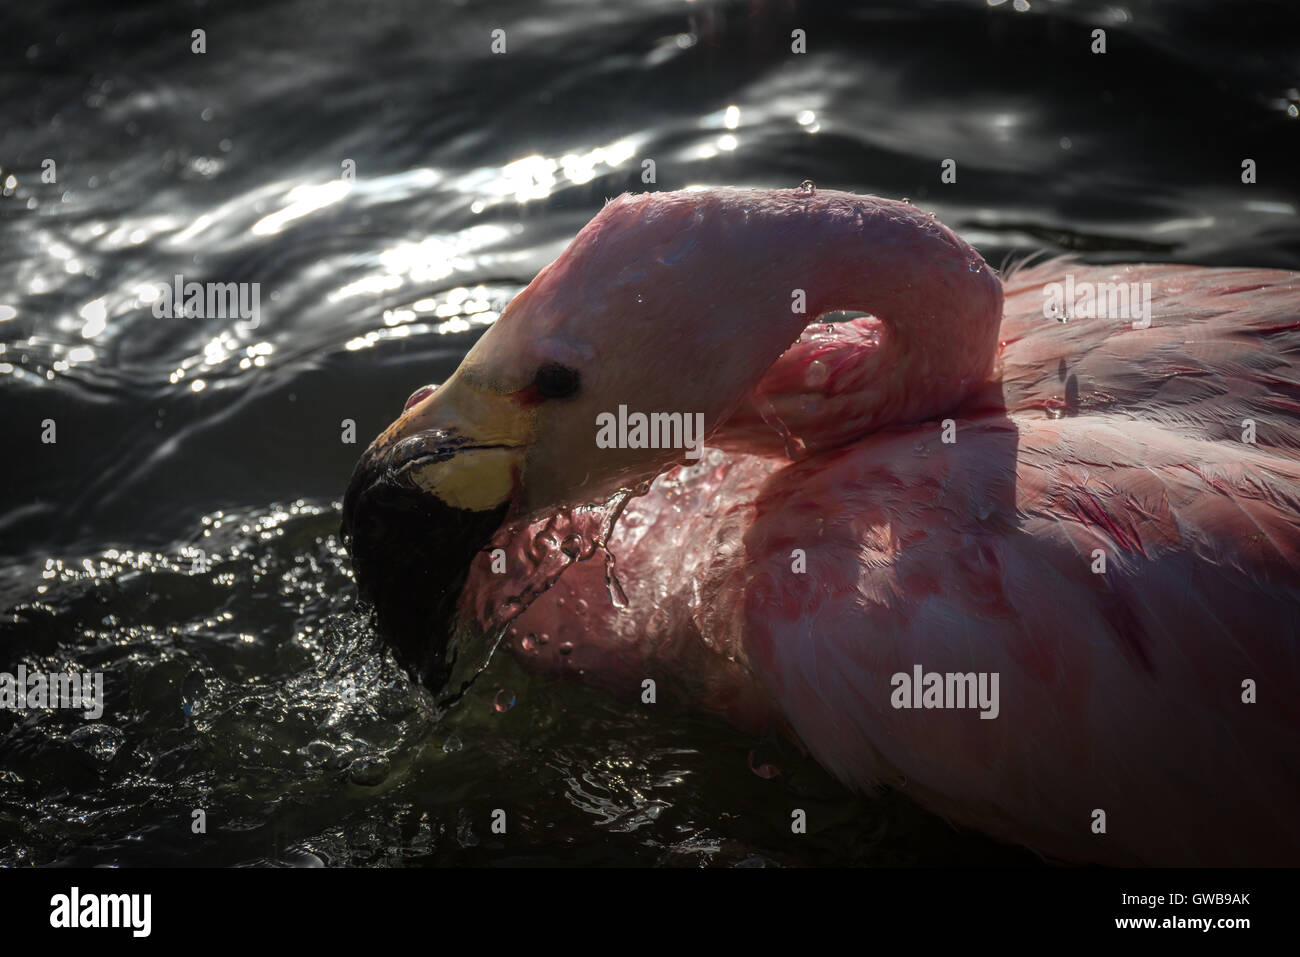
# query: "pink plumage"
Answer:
x=832 y=538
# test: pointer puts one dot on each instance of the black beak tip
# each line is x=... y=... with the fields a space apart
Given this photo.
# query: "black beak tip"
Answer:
x=411 y=553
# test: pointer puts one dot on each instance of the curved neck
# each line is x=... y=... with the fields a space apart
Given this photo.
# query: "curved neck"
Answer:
x=938 y=306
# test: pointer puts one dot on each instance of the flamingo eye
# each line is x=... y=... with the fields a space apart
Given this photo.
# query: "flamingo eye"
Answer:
x=555 y=381
x=418 y=395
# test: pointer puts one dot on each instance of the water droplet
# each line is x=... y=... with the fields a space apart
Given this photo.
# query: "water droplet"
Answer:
x=580 y=606
x=761 y=768
x=906 y=201
x=503 y=700
x=542 y=544
x=566 y=648
x=572 y=545
x=191 y=692
x=529 y=643
x=795 y=448
x=816 y=374
x=807 y=188
x=640 y=298
x=974 y=266
x=452 y=745
x=617 y=597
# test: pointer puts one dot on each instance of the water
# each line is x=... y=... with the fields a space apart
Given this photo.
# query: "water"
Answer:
x=180 y=533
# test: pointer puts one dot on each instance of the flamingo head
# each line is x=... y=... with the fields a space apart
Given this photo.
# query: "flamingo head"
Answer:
x=670 y=303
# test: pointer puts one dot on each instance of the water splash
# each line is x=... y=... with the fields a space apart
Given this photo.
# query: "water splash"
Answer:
x=538 y=553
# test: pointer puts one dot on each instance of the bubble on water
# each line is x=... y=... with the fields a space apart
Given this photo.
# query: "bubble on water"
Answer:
x=369 y=772
x=296 y=857
x=503 y=700
x=98 y=744
x=452 y=745
x=761 y=768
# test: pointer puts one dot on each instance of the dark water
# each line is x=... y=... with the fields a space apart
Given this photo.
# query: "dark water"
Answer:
x=240 y=680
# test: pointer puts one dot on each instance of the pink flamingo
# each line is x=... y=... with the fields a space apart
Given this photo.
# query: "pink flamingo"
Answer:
x=1103 y=514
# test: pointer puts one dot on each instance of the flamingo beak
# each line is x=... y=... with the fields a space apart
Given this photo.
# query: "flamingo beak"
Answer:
x=424 y=499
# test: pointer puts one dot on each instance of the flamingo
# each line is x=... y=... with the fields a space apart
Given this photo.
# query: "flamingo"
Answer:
x=1100 y=516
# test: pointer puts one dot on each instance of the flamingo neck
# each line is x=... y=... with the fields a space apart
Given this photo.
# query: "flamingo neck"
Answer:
x=937 y=308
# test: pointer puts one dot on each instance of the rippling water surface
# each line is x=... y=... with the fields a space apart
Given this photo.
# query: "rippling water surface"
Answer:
x=180 y=534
